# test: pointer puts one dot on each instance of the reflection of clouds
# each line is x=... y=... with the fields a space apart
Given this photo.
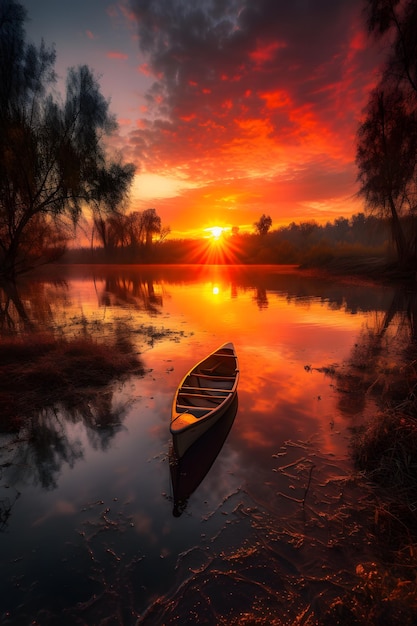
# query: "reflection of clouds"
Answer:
x=143 y=526
x=60 y=507
x=281 y=404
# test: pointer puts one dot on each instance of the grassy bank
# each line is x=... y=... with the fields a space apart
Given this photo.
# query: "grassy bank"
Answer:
x=41 y=371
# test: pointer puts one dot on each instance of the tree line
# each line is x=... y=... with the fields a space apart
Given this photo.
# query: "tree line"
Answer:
x=297 y=243
x=55 y=164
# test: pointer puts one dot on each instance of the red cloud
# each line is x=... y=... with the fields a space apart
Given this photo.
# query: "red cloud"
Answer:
x=145 y=69
x=265 y=52
x=121 y=56
x=276 y=99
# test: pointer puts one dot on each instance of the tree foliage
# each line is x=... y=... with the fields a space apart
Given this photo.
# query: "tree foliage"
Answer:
x=53 y=161
x=263 y=225
x=387 y=138
x=134 y=230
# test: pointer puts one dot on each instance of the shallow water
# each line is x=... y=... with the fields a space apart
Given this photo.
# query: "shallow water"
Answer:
x=269 y=528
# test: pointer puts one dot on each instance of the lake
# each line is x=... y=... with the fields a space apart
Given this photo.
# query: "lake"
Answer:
x=263 y=522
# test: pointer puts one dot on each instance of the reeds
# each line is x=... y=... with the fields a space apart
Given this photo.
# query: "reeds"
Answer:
x=38 y=370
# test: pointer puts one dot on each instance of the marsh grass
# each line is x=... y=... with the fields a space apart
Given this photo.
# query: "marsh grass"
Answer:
x=381 y=386
x=384 y=447
x=39 y=370
x=385 y=451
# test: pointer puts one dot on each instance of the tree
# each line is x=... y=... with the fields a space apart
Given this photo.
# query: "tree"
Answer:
x=134 y=230
x=263 y=225
x=387 y=139
x=398 y=17
x=53 y=162
x=387 y=159
x=151 y=223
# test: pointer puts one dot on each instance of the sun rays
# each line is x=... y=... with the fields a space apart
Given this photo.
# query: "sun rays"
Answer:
x=217 y=248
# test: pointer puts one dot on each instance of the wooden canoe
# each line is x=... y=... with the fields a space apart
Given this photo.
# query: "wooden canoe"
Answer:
x=203 y=396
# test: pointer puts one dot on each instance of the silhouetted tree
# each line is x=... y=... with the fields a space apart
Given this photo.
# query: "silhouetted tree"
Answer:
x=386 y=159
x=263 y=225
x=109 y=202
x=400 y=18
x=387 y=139
x=52 y=158
x=134 y=230
x=151 y=225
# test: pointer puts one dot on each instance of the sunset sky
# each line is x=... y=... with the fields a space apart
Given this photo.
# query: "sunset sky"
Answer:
x=229 y=108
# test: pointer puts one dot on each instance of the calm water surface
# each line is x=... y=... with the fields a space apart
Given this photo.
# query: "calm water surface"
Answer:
x=265 y=529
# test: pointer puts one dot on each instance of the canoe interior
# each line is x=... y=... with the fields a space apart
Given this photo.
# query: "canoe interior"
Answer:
x=209 y=384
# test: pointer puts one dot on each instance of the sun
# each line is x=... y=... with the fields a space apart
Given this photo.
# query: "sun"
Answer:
x=215 y=231
x=218 y=246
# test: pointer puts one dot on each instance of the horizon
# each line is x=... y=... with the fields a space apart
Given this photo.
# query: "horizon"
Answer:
x=226 y=116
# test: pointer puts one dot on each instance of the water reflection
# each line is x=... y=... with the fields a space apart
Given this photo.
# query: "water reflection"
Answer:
x=188 y=472
x=39 y=301
x=272 y=514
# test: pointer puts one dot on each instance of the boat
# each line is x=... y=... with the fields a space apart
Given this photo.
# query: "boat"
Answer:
x=188 y=472
x=203 y=396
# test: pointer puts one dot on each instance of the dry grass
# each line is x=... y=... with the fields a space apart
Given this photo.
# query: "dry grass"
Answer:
x=38 y=371
x=384 y=448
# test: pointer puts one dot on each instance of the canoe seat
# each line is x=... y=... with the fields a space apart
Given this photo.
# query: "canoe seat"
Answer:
x=213 y=376
x=191 y=388
x=203 y=395
x=200 y=400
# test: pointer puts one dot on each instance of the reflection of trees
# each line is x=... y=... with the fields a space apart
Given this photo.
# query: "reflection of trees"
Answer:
x=50 y=383
x=29 y=305
x=374 y=377
x=46 y=443
x=261 y=298
x=38 y=303
x=132 y=290
x=12 y=308
x=384 y=349
x=379 y=385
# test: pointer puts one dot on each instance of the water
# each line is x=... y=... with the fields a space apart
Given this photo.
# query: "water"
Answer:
x=269 y=529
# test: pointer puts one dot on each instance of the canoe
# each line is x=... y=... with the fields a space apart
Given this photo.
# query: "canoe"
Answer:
x=188 y=472
x=203 y=396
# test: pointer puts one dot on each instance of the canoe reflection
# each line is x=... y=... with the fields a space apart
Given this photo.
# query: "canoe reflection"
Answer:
x=189 y=471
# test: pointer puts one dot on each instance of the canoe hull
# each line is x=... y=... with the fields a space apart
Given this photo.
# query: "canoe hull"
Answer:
x=189 y=471
x=203 y=396
x=184 y=439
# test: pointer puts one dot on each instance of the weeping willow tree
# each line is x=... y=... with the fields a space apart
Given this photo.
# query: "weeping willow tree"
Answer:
x=387 y=138
x=53 y=161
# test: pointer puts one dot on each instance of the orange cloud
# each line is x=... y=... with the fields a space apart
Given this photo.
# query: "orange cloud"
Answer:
x=117 y=55
x=262 y=111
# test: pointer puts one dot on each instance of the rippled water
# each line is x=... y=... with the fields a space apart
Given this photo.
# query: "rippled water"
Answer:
x=270 y=527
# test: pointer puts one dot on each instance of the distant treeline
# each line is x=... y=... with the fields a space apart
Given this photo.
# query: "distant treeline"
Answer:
x=302 y=243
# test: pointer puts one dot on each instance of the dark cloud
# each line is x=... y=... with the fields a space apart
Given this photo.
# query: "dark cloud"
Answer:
x=251 y=84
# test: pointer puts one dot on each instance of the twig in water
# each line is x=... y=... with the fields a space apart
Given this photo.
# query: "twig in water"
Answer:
x=308 y=484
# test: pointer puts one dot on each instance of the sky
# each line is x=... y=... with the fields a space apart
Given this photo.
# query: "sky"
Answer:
x=229 y=109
